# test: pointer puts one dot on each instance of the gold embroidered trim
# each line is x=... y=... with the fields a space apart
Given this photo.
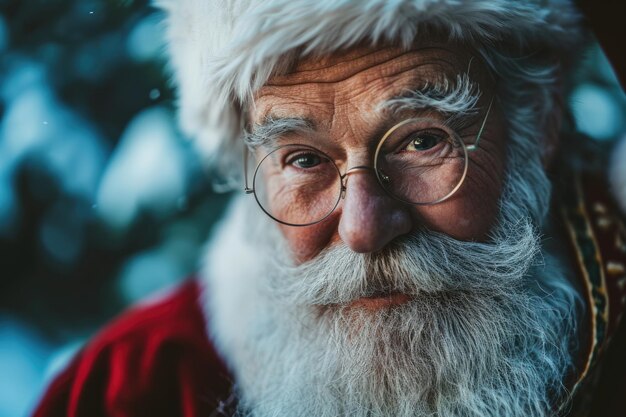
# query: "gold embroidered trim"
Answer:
x=596 y=295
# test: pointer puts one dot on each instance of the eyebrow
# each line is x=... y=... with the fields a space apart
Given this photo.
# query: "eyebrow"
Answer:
x=273 y=128
x=457 y=98
x=454 y=99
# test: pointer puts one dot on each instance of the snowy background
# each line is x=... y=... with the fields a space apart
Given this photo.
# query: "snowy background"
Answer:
x=102 y=202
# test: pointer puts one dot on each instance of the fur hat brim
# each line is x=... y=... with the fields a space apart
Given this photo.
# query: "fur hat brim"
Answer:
x=222 y=51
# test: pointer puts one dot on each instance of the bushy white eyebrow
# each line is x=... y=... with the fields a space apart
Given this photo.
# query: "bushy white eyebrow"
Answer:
x=450 y=98
x=271 y=129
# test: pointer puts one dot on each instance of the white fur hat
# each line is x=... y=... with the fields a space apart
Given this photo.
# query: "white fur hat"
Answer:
x=221 y=51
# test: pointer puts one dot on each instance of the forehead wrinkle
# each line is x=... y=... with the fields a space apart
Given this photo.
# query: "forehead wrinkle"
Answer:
x=345 y=69
x=280 y=105
x=328 y=71
x=392 y=85
x=311 y=93
x=270 y=130
x=310 y=90
x=344 y=92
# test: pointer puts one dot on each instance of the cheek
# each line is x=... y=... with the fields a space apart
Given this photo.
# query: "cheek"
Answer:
x=468 y=215
x=306 y=242
x=472 y=212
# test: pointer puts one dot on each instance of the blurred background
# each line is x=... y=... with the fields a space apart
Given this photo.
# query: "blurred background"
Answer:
x=102 y=201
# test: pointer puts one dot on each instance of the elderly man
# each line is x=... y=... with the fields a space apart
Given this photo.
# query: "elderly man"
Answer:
x=395 y=254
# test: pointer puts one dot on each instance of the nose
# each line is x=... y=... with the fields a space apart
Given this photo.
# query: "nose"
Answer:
x=370 y=218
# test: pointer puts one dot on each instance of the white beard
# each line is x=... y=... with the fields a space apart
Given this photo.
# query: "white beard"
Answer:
x=488 y=330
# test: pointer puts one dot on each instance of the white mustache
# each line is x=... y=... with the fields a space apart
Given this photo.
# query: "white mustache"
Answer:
x=424 y=264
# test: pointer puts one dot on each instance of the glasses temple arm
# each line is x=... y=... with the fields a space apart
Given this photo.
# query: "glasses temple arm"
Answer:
x=473 y=147
x=246 y=188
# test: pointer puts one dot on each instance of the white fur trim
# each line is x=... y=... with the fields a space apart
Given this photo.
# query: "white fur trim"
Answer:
x=229 y=273
x=223 y=50
x=617 y=173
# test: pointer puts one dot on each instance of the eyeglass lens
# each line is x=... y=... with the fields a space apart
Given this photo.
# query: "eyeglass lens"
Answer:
x=297 y=185
x=421 y=161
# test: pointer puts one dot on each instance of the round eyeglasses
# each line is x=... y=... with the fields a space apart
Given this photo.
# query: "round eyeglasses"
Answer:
x=419 y=161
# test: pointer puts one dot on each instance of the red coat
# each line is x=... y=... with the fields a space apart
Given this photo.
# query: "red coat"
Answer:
x=155 y=360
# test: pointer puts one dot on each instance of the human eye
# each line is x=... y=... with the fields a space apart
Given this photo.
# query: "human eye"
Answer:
x=424 y=140
x=305 y=160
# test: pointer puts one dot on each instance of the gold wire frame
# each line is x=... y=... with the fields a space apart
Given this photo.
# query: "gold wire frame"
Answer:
x=379 y=175
x=256 y=197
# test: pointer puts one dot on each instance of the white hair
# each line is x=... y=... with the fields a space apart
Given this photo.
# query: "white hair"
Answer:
x=454 y=98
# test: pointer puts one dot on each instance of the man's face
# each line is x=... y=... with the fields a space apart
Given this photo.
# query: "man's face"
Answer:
x=343 y=96
x=388 y=308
